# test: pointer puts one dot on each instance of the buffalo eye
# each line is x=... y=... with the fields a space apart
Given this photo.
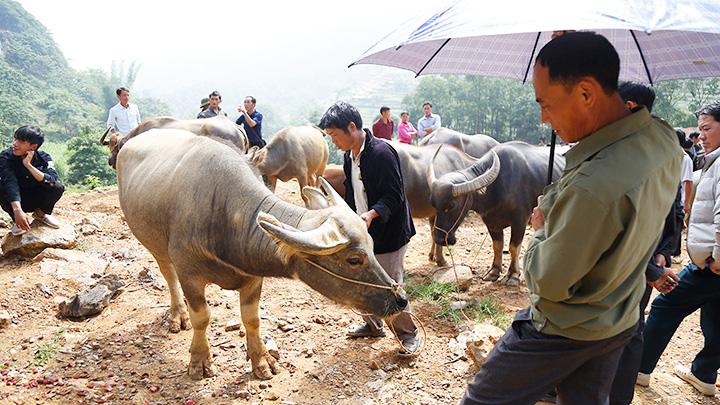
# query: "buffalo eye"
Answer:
x=354 y=261
x=450 y=208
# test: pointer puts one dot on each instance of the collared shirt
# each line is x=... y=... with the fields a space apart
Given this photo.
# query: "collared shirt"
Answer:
x=433 y=121
x=383 y=130
x=361 y=204
x=586 y=268
x=254 y=134
x=123 y=119
x=209 y=113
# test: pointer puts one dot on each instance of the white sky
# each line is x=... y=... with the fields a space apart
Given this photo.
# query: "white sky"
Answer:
x=229 y=45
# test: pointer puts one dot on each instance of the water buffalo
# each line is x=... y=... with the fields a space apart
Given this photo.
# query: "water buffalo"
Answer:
x=216 y=127
x=508 y=201
x=293 y=152
x=414 y=161
x=206 y=218
x=474 y=145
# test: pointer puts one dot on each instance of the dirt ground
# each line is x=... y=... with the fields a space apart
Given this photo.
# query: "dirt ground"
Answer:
x=125 y=355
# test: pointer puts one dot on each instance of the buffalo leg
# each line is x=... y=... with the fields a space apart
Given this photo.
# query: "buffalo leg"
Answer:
x=271 y=182
x=264 y=365
x=496 y=269
x=436 y=253
x=517 y=232
x=201 y=364
x=179 y=317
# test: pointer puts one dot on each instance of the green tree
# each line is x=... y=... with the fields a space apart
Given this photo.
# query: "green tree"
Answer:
x=152 y=107
x=88 y=158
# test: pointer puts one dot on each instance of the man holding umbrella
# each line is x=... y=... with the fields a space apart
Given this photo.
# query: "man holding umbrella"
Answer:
x=585 y=264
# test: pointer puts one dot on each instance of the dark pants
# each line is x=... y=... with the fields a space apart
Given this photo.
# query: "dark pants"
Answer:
x=525 y=364
x=623 y=386
x=31 y=199
x=698 y=288
x=677 y=243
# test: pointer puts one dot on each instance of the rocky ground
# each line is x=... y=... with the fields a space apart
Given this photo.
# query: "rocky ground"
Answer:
x=125 y=355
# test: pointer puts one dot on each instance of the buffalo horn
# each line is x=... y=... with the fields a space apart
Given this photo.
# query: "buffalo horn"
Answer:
x=431 y=169
x=335 y=198
x=102 y=140
x=480 y=182
x=324 y=240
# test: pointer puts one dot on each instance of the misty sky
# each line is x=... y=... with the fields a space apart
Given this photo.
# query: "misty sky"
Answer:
x=271 y=49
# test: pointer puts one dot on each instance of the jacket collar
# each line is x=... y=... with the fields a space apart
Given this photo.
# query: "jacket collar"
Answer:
x=600 y=139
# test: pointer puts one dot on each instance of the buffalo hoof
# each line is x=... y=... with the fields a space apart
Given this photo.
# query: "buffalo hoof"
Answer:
x=493 y=276
x=511 y=279
x=201 y=368
x=439 y=259
x=265 y=367
x=180 y=322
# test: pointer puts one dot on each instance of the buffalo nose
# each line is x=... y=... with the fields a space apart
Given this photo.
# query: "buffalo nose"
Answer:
x=401 y=298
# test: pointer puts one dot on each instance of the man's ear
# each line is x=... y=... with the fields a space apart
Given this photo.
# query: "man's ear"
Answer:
x=33 y=146
x=351 y=127
x=588 y=91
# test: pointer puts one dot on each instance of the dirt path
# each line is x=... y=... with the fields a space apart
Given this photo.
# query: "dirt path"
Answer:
x=125 y=355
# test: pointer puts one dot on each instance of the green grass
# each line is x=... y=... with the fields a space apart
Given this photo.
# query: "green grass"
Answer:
x=60 y=155
x=46 y=350
x=444 y=294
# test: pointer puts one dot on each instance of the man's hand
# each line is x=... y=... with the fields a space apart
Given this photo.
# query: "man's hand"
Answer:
x=660 y=260
x=241 y=110
x=21 y=220
x=27 y=160
x=537 y=220
x=667 y=282
x=369 y=216
x=712 y=264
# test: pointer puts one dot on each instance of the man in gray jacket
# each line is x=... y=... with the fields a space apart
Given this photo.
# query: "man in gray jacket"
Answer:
x=699 y=286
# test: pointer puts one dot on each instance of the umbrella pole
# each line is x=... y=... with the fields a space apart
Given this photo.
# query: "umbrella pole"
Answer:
x=552 y=157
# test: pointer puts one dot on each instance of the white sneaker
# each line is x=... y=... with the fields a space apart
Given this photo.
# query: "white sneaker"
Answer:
x=687 y=375
x=16 y=231
x=643 y=379
x=48 y=220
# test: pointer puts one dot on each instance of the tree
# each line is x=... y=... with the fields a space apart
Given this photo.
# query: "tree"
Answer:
x=88 y=158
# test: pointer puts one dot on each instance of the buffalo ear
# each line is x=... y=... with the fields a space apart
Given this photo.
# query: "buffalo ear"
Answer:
x=314 y=198
x=324 y=240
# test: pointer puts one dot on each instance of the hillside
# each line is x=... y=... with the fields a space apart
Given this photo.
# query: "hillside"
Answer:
x=125 y=355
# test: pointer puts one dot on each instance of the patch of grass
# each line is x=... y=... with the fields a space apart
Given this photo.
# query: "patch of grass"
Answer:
x=444 y=294
x=46 y=350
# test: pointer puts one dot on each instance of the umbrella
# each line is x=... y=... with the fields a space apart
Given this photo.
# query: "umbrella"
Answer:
x=656 y=39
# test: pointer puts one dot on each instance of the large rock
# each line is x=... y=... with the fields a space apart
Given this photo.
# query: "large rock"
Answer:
x=39 y=237
x=71 y=265
x=94 y=299
x=464 y=276
x=481 y=341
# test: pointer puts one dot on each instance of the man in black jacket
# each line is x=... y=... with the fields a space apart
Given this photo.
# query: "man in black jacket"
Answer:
x=28 y=181
x=374 y=189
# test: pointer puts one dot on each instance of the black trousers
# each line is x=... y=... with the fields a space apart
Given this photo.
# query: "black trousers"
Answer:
x=525 y=364
x=31 y=199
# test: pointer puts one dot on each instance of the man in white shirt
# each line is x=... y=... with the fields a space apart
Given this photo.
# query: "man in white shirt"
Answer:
x=123 y=116
x=430 y=122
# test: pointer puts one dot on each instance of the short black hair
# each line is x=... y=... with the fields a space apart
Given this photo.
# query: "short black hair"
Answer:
x=710 y=109
x=576 y=55
x=30 y=133
x=339 y=116
x=427 y=103
x=215 y=93
x=681 y=136
x=694 y=134
x=404 y=112
x=121 y=89
x=252 y=99
x=640 y=93
x=384 y=108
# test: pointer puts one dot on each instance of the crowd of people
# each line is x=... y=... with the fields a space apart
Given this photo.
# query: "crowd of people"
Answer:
x=605 y=232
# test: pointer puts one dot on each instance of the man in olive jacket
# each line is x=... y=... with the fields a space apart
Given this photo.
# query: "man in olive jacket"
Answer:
x=374 y=189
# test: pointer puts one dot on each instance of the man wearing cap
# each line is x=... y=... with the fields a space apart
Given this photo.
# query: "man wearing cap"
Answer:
x=595 y=230
x=204 y=104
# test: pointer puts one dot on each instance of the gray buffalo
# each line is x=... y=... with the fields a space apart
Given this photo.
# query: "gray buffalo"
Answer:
x=508 y=201
x=293 y=152
x=215 y=127
x=474 y=145
x=206 y=218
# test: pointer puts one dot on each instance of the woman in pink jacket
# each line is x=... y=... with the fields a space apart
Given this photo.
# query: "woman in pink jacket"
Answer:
x=406 y=131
